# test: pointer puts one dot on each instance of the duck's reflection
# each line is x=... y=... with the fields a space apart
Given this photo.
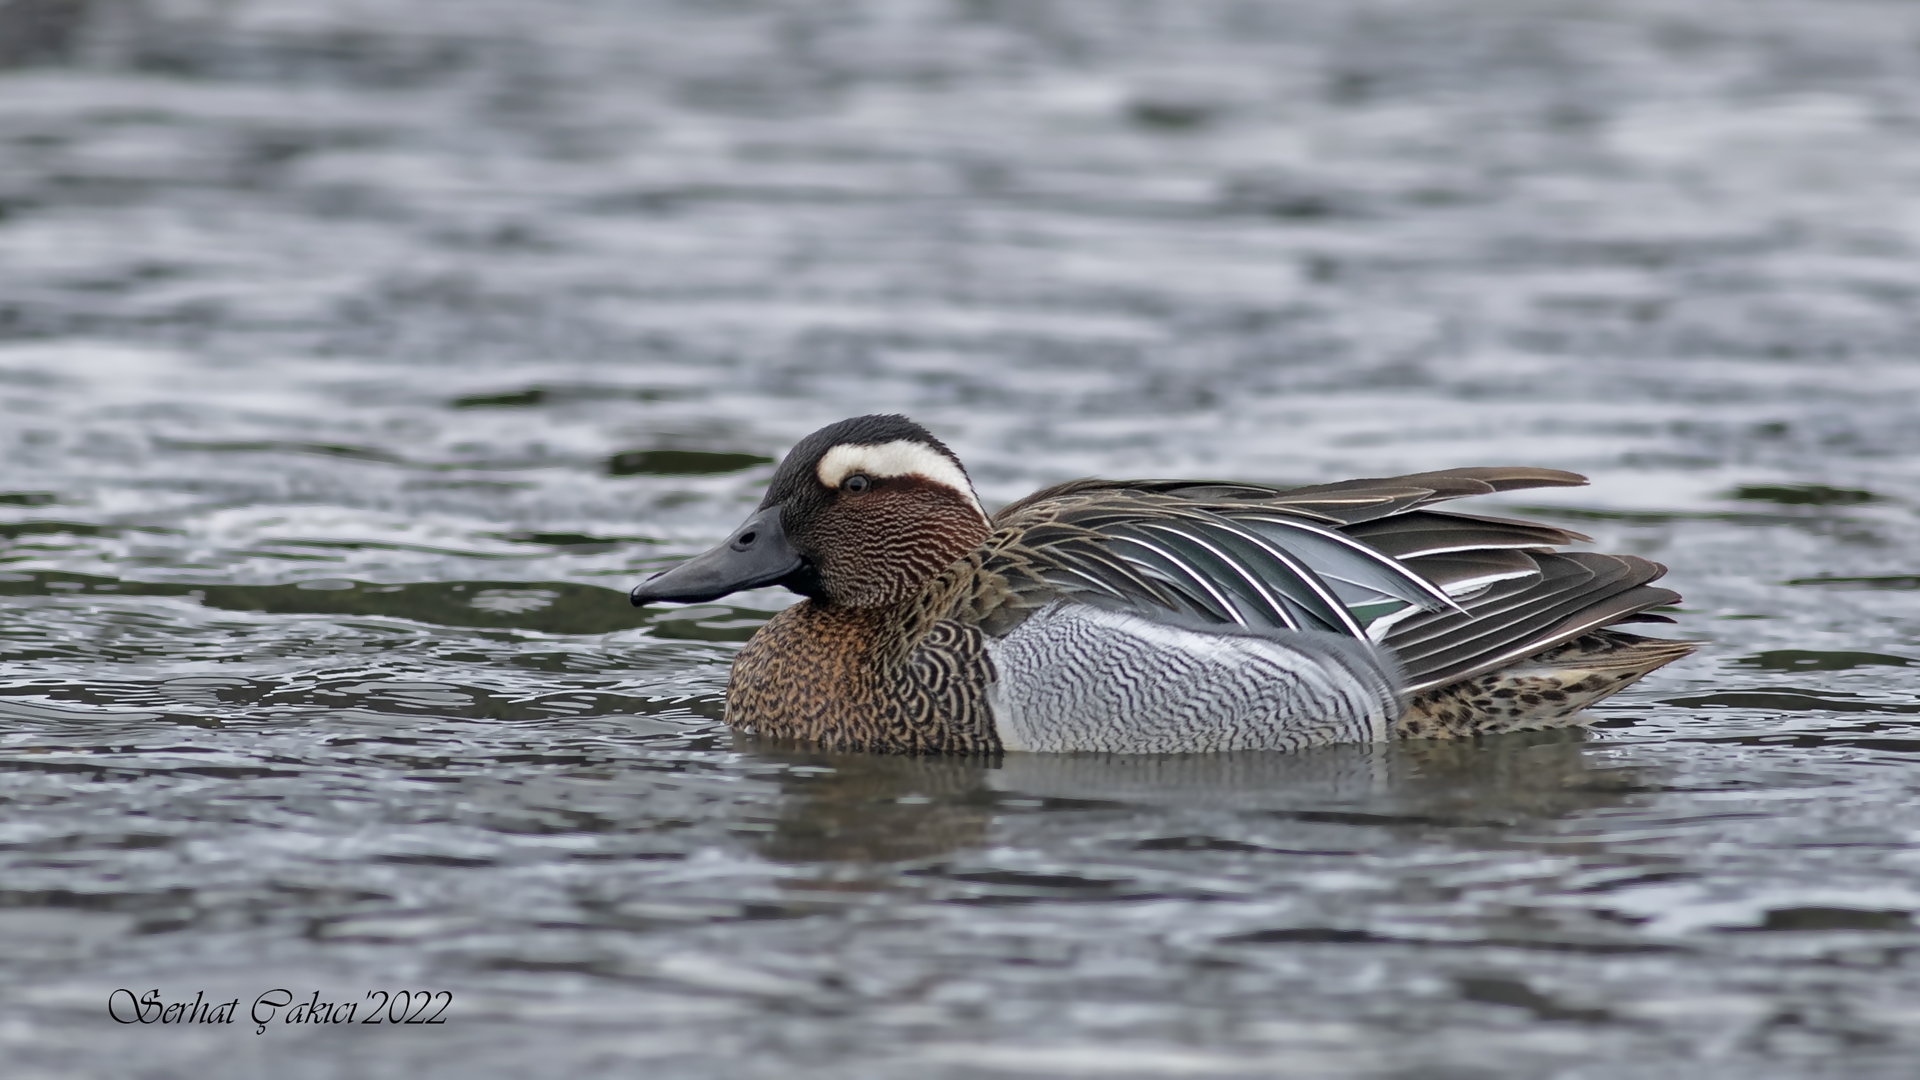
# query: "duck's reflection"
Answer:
x=850 y=807
x=846 y=807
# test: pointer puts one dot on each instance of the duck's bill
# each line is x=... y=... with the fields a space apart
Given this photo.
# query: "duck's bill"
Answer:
x=756 y=554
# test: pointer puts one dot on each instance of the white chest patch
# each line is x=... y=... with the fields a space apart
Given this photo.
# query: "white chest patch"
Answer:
x=901 y=457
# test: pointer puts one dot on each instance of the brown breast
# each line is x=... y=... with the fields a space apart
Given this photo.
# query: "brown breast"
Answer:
x=865 y=679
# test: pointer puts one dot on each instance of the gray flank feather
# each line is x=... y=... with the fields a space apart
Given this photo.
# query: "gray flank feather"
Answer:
x=1074 y=677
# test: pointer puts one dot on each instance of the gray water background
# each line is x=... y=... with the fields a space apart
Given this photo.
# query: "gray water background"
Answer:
x=355 y=358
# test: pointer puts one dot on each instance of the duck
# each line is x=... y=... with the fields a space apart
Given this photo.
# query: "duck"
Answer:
x=1158 y=616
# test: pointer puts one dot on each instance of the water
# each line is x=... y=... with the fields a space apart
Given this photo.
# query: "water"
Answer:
x=355 y=358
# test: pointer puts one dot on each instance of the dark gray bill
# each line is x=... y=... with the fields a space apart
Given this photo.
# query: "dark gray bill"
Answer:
x=756 y=554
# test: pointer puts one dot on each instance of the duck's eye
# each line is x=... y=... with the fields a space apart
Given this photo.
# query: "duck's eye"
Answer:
x=855 y=484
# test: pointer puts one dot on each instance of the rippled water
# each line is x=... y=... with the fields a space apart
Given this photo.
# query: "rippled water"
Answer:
x=355 y=357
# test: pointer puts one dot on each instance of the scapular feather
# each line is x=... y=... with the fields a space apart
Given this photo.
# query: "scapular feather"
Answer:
x=1362 y=558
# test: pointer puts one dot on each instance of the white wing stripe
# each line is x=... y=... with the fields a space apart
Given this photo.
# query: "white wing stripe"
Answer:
x=1273 y=603
x=1305 y=575
x=1200 y=579
x=1394 y=567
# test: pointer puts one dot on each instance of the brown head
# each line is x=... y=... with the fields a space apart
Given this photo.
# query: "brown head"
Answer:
x=862 y=513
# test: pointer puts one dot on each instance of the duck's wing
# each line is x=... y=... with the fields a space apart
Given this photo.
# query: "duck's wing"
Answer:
x=1347 y=502
x=1451 y=594
x=1218 y=553
x=1566 y=595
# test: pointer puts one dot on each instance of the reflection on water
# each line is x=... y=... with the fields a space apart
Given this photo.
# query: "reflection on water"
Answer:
x=871 y=808
x=553 y=607
x=868 y=808
x=1540 y=774
x=352 y=369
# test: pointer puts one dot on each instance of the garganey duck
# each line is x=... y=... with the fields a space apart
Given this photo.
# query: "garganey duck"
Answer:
x=1150 y=616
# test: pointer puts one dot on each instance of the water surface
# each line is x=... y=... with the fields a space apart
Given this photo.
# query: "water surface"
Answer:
x=355 y=359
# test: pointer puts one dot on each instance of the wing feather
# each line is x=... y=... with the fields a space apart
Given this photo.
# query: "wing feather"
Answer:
x=1269 y=608
x=1337 y=555
x=1300 y=590
x=1178 y=571
x=1451 y=594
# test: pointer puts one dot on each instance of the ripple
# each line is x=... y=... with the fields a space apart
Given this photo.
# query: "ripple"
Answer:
x=351 y=370
x=680 y=463
x=545 y=607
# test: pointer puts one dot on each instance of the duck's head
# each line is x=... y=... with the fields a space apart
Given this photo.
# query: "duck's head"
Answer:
x=861 y=513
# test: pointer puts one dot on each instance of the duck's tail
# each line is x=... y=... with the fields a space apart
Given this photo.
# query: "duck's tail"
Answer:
x=1547 y=690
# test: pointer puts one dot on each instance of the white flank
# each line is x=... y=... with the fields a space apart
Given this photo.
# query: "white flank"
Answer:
x=901 y=457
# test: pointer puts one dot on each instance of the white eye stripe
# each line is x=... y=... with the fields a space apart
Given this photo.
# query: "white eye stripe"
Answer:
x=901 y=457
